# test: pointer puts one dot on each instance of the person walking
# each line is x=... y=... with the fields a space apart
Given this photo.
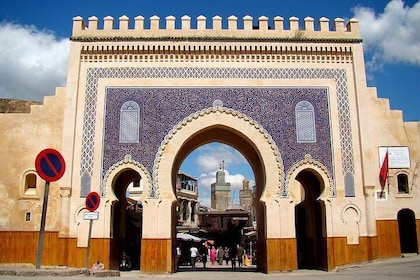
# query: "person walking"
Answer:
x=232 y=255
x=178 y=256
x=240 y=253
x=193 y=254
x=213 y=254
x=204 y=255
x=226 y=256
x=220 y=255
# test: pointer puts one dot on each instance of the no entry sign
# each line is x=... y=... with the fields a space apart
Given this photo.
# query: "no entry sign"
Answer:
x=92 y=201
x=50 y=165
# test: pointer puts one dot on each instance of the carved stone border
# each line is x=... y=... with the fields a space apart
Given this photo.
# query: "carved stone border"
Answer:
x=217 y=107
x=308 y=161
x=355 y=207
x=129 y=163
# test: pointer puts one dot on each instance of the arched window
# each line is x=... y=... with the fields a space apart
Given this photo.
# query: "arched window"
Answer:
x=305 y=122
x=29 y=183
x=130 y=122
x=403 y=183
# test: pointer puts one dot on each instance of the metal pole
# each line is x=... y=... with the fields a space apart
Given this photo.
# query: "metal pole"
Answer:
x=42 y=228
x=88 y=245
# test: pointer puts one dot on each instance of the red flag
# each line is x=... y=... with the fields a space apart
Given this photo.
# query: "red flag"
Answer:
x=383 y=174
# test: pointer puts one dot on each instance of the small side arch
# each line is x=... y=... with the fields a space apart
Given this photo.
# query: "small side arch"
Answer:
x=127 y=163
x=320 y=171
x=351 y=217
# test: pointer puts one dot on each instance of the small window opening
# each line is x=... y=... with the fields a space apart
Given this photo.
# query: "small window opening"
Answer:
x=28 y=216
x=403 y=183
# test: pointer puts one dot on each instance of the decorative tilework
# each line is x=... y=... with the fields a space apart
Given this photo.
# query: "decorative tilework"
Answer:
x=163 y=110
x=271 y=107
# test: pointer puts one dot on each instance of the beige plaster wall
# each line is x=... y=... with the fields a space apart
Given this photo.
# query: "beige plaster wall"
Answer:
x=23 y=137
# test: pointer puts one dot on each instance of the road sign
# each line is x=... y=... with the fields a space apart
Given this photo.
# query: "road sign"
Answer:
x=50 y=165
x=91 y=216
x=92 y=201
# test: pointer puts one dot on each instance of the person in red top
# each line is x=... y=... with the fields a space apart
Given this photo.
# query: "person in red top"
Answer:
x=213 y=254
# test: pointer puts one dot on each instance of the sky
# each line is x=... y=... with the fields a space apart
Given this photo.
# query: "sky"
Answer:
x=34 y=47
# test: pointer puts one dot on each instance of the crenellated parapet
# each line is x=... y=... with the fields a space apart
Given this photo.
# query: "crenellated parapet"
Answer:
x=216 y=30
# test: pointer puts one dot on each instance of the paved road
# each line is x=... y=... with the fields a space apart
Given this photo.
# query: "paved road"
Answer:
x=398 y=268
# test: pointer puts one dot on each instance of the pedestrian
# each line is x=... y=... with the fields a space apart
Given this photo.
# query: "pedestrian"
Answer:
x=232 y=254
x=247 y=260
x=125 y=263
x=98 y=266
x=226 y=256
x=193 y=254
x=178 y=256
x=213 y=253
x=204 y=255
x=220 y=255
x=240 y=255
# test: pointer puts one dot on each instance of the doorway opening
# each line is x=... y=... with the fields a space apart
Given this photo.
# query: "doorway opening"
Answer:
x=215 y=203
x=126 y=221
x=408 y=232
x=310 y=224
x=227 y=227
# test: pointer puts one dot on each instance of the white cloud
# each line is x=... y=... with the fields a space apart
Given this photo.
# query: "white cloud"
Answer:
x=392 y=36
x=32 y=62
x=212 y=155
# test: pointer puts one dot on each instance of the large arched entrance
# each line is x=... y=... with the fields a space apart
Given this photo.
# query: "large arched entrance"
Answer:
x=253 y=142
x=238 y=141
x=311 y=223
x=126 y=219
x=408 y=231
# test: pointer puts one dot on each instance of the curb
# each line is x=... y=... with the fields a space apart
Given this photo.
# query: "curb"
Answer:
x=26 y=272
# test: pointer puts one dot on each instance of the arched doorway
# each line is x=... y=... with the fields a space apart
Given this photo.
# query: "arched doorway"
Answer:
x=126 y=219
x=407 y=231
x=219 y=181
x=253 y=142
x=241 y=143
x=310 y=223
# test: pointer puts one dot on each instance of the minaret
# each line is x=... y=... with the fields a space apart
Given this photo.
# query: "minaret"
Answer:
x=220 y=191
x=245 y=196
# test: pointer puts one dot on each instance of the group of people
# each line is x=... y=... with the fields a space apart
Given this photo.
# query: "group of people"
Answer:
x=215 y=255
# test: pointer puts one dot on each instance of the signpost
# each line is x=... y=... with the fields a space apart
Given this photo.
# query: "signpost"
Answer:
x=50 y=166
x=92 y=203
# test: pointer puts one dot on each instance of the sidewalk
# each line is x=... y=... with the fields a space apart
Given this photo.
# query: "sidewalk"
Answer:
x=407 y=267
x=29 y=270
x=216 y=266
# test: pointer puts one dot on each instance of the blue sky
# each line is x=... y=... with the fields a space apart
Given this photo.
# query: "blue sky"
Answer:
x=34 y=49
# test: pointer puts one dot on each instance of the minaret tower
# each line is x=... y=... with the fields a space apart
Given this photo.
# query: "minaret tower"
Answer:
x=220 y=191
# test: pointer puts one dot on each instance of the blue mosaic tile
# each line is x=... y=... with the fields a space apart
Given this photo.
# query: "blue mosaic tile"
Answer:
x=162 y=108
